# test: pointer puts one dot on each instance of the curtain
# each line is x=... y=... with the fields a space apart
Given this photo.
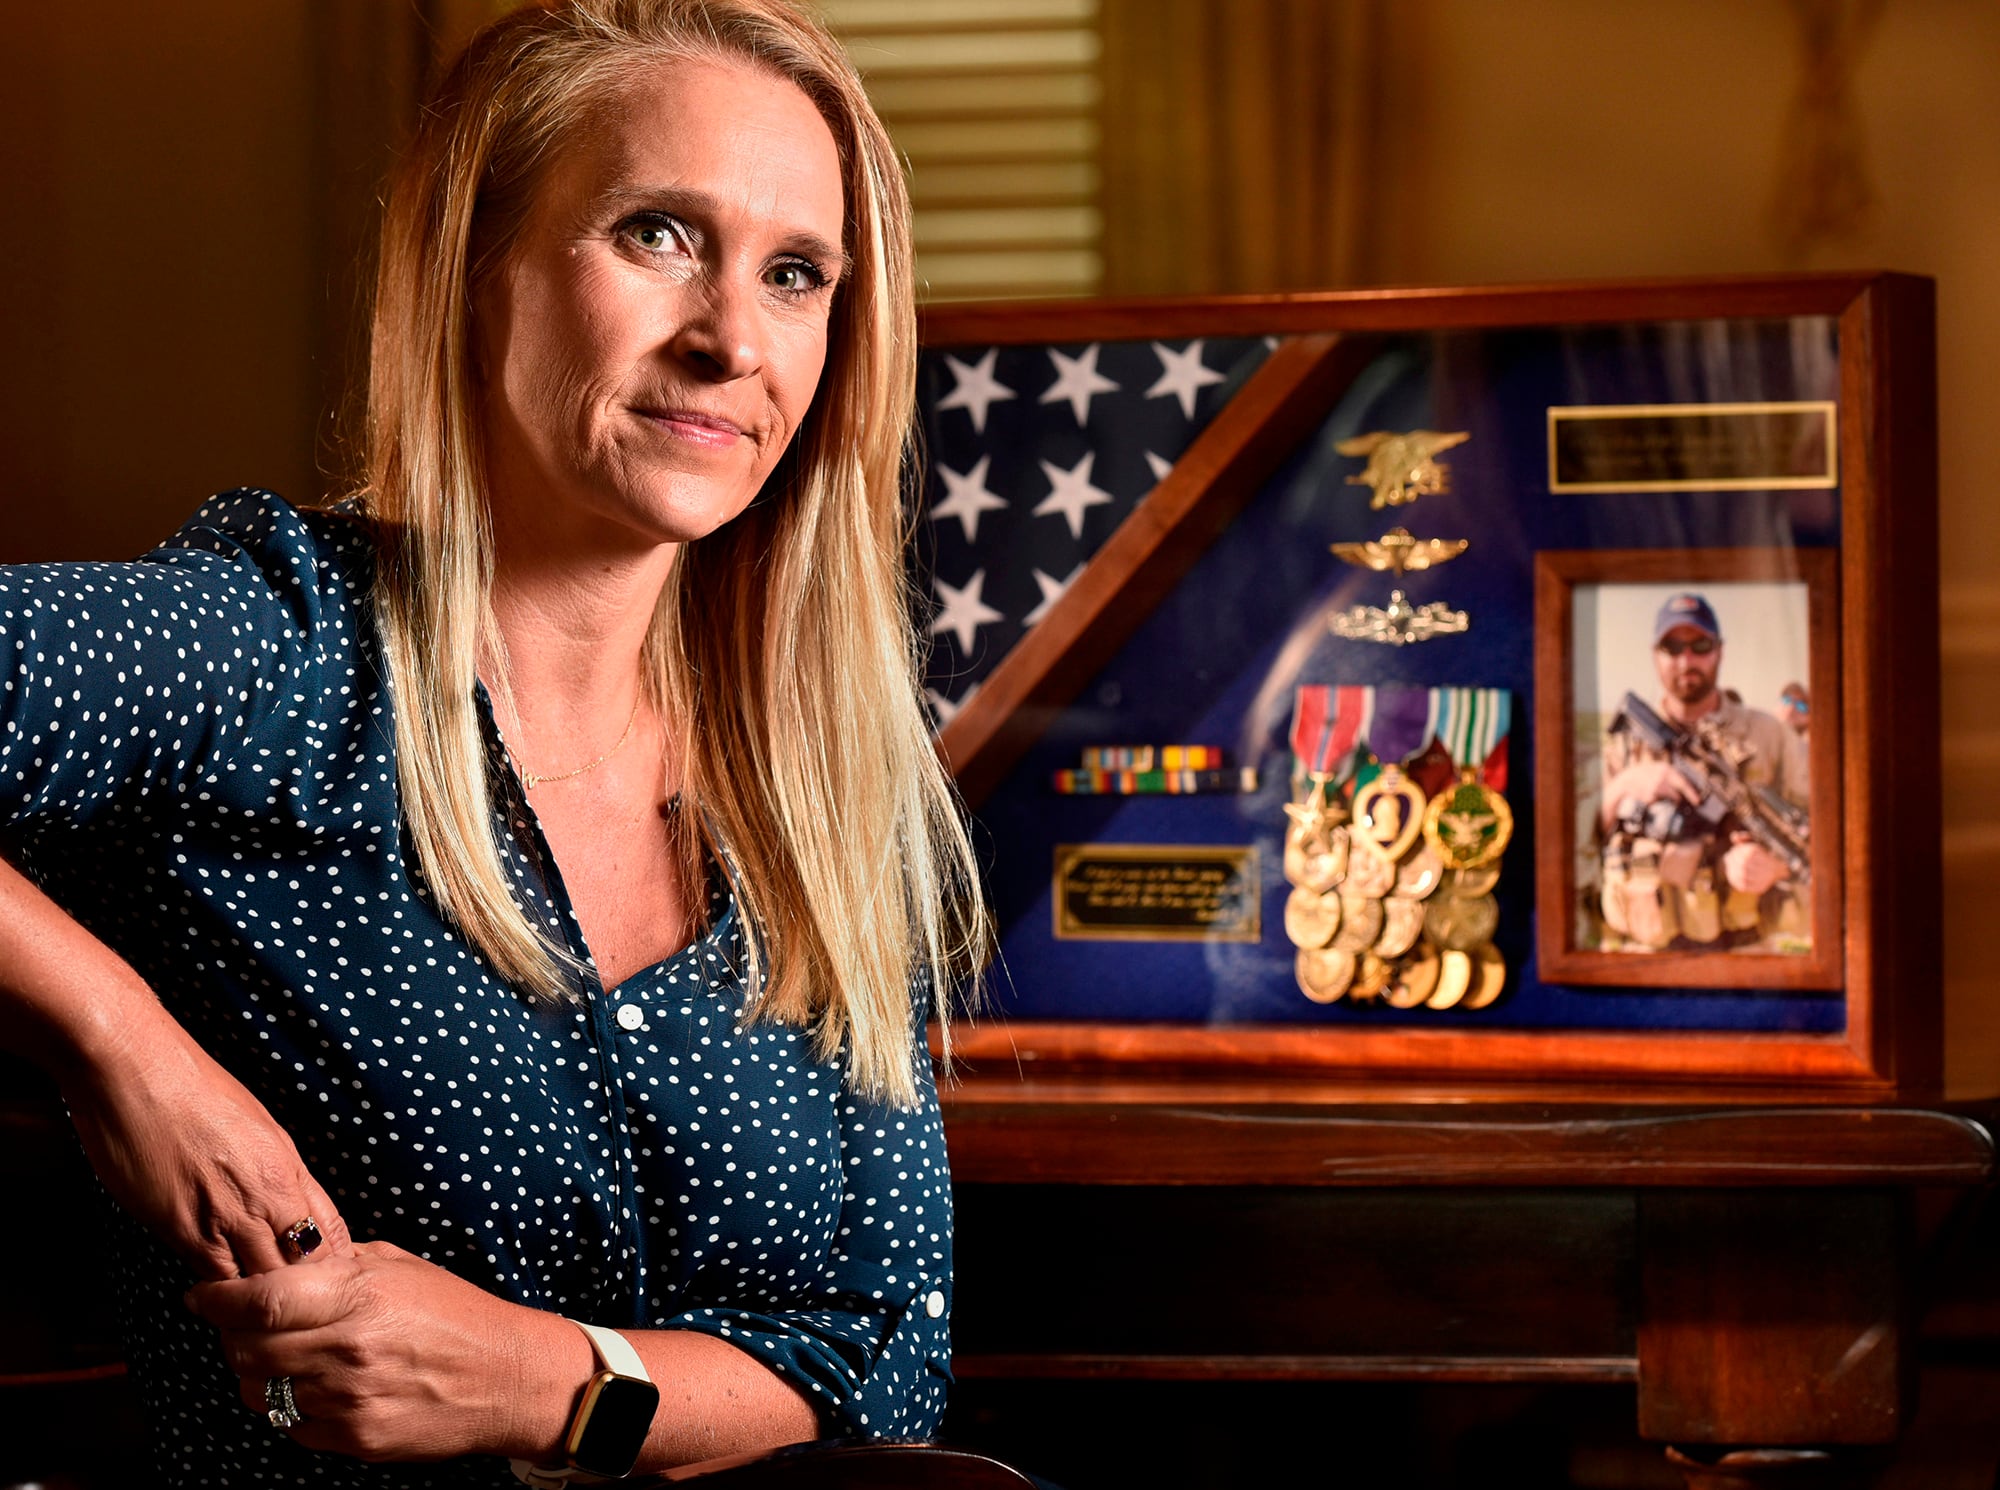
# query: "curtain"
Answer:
x=1235 y=140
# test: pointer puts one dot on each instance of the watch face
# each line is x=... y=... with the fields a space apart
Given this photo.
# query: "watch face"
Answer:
x=611 y=1425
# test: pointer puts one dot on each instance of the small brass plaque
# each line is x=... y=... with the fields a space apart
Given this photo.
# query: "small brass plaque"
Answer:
x=1156 y=893
x=1693 y=447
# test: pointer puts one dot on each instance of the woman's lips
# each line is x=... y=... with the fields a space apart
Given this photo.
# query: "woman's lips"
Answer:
x=697 y=428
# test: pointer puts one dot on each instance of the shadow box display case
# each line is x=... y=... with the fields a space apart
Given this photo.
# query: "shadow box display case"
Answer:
x=1533 y=682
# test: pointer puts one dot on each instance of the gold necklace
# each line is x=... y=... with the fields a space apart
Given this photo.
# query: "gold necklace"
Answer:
x=530 y=779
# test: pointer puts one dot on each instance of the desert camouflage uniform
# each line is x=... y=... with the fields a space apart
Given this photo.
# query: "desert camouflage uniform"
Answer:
x=1656 y=896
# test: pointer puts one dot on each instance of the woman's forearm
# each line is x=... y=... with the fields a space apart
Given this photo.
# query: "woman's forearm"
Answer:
x=177 y=1140
x=393 y=1358
x=715 y=1399
x=67 y=1001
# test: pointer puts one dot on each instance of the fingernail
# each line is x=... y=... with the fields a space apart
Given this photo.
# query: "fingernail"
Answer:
x=187 y=1300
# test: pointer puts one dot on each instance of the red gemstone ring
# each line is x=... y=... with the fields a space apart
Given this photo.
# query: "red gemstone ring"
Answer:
x=303 y=1237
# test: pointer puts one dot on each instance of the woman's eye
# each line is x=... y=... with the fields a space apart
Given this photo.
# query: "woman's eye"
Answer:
x=655 y=235
x=796 y=277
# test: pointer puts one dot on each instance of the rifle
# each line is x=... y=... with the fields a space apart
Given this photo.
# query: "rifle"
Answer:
x=1726 y=802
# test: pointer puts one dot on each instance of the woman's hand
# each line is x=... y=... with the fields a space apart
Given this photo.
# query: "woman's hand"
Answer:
x=188 y=1151
x=393 y=1358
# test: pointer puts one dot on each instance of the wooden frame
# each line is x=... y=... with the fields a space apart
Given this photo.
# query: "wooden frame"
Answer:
x=1887 y=669
x=1558 y=575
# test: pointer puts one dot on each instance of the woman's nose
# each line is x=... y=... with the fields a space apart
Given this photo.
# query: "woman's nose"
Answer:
x=722 y=335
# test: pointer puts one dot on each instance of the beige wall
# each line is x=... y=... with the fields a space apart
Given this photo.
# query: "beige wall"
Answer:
x=1545 y=139
x=163 y=274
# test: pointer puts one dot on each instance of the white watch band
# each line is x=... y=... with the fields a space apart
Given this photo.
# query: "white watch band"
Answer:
x=614 y=1353
x=614 y=1350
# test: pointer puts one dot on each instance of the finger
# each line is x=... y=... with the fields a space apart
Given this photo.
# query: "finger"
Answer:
x=337 y=1240
x=253 y=1392
x=211 y=1259
x=255 y=1246
x=284 y=1299
x=231 y=1244
x=265 y=1242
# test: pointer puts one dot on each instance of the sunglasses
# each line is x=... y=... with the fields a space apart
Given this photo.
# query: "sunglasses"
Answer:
x=1701 y=646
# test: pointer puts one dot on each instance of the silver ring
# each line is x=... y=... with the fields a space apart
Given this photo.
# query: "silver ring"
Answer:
x=282 y=1410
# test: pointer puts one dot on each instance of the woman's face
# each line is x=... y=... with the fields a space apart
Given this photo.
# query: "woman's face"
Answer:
x=653 y=339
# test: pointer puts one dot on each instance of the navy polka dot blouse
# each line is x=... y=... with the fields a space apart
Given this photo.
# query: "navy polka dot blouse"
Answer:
x=197 y=761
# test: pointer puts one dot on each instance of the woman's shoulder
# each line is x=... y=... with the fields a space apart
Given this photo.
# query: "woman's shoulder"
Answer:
x=277 y=537
x=251 y=552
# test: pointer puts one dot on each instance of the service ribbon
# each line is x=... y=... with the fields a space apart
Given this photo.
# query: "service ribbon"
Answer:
x=1327 y=722
x=1401 y=726
x=1473 y=724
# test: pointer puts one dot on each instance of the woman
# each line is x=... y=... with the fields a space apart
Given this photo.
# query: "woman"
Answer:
x=528 y=866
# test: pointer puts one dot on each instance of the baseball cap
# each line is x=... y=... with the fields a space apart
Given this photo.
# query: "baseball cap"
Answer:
x=1686 y=610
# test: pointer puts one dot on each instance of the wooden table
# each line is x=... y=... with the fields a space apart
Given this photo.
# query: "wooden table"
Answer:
x=1745 y=1260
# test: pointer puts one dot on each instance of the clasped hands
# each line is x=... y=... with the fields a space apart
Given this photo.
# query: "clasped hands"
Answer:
x=391 y=1357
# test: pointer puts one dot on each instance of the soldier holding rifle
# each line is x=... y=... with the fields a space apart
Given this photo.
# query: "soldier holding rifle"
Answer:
x=1703 y=820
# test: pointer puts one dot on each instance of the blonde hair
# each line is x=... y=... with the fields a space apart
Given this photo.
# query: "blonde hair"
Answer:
x=782 y=650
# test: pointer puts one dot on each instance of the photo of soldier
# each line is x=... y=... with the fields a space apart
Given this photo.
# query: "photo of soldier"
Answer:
x=1702 y=820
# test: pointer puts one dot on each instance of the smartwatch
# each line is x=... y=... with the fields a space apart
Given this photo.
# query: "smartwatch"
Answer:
x=610 y=1424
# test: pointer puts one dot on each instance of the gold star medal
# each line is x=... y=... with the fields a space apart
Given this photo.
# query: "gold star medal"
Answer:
x=1469 y=825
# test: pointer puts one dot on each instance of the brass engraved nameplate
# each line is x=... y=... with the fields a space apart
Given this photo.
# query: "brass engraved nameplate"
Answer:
x=1156 y=892
x=1693 y=447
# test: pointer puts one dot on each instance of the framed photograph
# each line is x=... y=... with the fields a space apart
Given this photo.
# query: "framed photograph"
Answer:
x=1305 y=662
x=1689 y=837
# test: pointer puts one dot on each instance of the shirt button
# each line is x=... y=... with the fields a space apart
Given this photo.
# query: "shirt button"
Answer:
x=934 y=1305
x=630 y=1016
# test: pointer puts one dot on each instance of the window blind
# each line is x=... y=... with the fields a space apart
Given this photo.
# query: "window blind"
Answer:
x=994 y=103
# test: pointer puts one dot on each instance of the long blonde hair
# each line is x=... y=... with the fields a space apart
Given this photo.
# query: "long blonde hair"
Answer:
x=782 y=650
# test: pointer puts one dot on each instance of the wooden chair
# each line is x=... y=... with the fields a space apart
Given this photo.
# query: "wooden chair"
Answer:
x=832 y=1465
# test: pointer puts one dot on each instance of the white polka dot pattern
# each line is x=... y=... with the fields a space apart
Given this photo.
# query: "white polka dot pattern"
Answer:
x=197 y=760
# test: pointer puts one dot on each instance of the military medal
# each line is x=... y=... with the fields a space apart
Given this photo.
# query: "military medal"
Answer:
x=1469 y=882
x=1402 y=924
x=1311 y=917
x=1392 y=890
x=1469 y=826
x=1320 y=867
x=1461 y=925
x=1326 y=722
x=1489 y=976
x=1360 y=923
x=1418 y=875
x=1370 y=872
x=1454 y=977
x=1324 y=973
x=1415 y=981
x=1371 y=976
x=1389 y=812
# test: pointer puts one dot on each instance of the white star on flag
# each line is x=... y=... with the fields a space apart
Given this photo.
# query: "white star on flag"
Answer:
x=947 y=709
x=1160 y=465
x=966 y=497
x=1071 y=492
x=1052 y=591
x=1181 y=374
x=975 y=389
x=1077 y=378
x=963 y=612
